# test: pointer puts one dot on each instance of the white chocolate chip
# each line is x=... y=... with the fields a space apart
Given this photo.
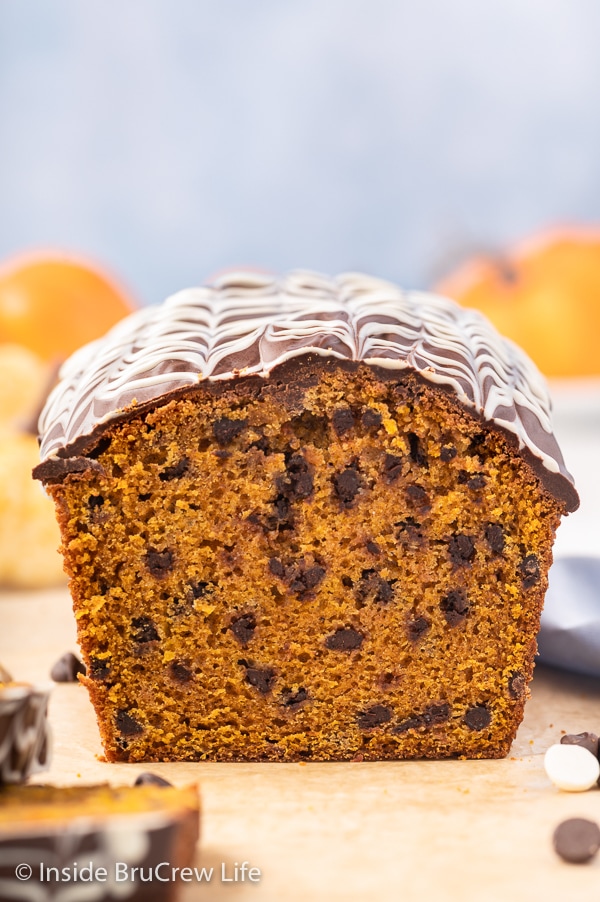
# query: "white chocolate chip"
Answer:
x=571 y=767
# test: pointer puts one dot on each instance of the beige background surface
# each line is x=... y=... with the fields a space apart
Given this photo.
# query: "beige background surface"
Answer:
x=474 y=831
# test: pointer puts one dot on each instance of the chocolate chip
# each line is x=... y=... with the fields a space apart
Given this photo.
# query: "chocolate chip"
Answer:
x=342 y=420
x=262 y=678
x=371 y=418
x=145 y=496
x=373 y=717
x=304 y=579
x=292 y=700
x=226 y=430
x=99 y=668
x=95 y=501
x=176 y=471
x=67 y=667
x=373 y=548
x=476 y=482
x=436 y=714
x=347 y=582
x=126 y=725
x=298 y=481
x=392 y=467
x=411 y=723
x=143 y=630
x=417 y=628
x=347 y=485
x=587 y=741
x=494 y=535
x=159 y=562
x=344 y=639
x=455 y=607
x=373 y=587
x=577 y=840
x=529 y=568
x=447 y=453
x=517 y=685
x=148 y=779
x=478 y=717
x=461 y=549
x=180 y=672
x=417 y=454
x=243 y=627
x=276 y=567
x=417 y=496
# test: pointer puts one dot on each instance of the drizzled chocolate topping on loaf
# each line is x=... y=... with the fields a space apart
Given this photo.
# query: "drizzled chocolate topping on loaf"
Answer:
x=249 y=324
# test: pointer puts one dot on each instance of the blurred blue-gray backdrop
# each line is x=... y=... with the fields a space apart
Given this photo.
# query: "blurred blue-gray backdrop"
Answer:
x=171 y=138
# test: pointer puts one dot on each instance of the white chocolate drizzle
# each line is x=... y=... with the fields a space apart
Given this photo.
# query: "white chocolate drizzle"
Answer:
x=248 y=324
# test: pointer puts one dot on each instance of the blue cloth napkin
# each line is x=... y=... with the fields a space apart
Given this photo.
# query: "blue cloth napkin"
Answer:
x=570 y=631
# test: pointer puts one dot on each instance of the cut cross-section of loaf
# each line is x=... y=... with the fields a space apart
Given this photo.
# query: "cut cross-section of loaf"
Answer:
x=305 y=519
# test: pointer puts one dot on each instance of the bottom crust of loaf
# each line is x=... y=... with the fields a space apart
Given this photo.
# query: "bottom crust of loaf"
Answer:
x=334 y=563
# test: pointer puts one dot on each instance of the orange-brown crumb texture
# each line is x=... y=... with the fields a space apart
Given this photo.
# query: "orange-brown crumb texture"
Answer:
x=348 y=567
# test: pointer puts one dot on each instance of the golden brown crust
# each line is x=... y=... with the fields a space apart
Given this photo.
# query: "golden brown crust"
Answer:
x=351 y=567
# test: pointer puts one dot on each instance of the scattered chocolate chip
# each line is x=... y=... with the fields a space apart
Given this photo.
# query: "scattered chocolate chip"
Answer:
x=226 y=430
x=342 y=420
x=411 y=723
x=494 y=535
x=180 y=672
x=455 y=607
x=529 y=568
x=478 y=718
x=159 y=562
x=344 y=639
x=447 y=453
x=143 y=630
x=577 y=840
x=292 y=700
x=126 y=725
x=461 y=549
x=145 y=496
x=347 y=485
x=371 y=418
x=436 y=714
x=417 y=454
x=95 y=501
x=373 y=587
x=67 y=667
x=222 y=454
x=417 y=628
x=304 y=579
x=417 y=496
x=99 y=668
x=262 y=678
x=243 y=627
x=373 y=717
x=276 y=567
x=392 y=467
x=476 y=482
x=298 y=481
x=517 y=685
x=587 y=741
x=148 y=779
x=373 y=548
x=176 y=471
x=347 y=582
x=409 y=531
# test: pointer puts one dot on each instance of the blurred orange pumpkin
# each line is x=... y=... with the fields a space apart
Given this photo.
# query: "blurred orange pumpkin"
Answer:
x=52 y=303
x=545 y=296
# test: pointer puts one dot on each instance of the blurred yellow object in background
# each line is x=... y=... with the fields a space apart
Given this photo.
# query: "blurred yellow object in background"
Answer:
x=545 y=296
x=23 y=376
x=29 y=537
x=53 y=303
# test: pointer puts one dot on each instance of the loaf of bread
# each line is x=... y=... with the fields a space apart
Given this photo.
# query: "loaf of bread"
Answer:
x=305 y=518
